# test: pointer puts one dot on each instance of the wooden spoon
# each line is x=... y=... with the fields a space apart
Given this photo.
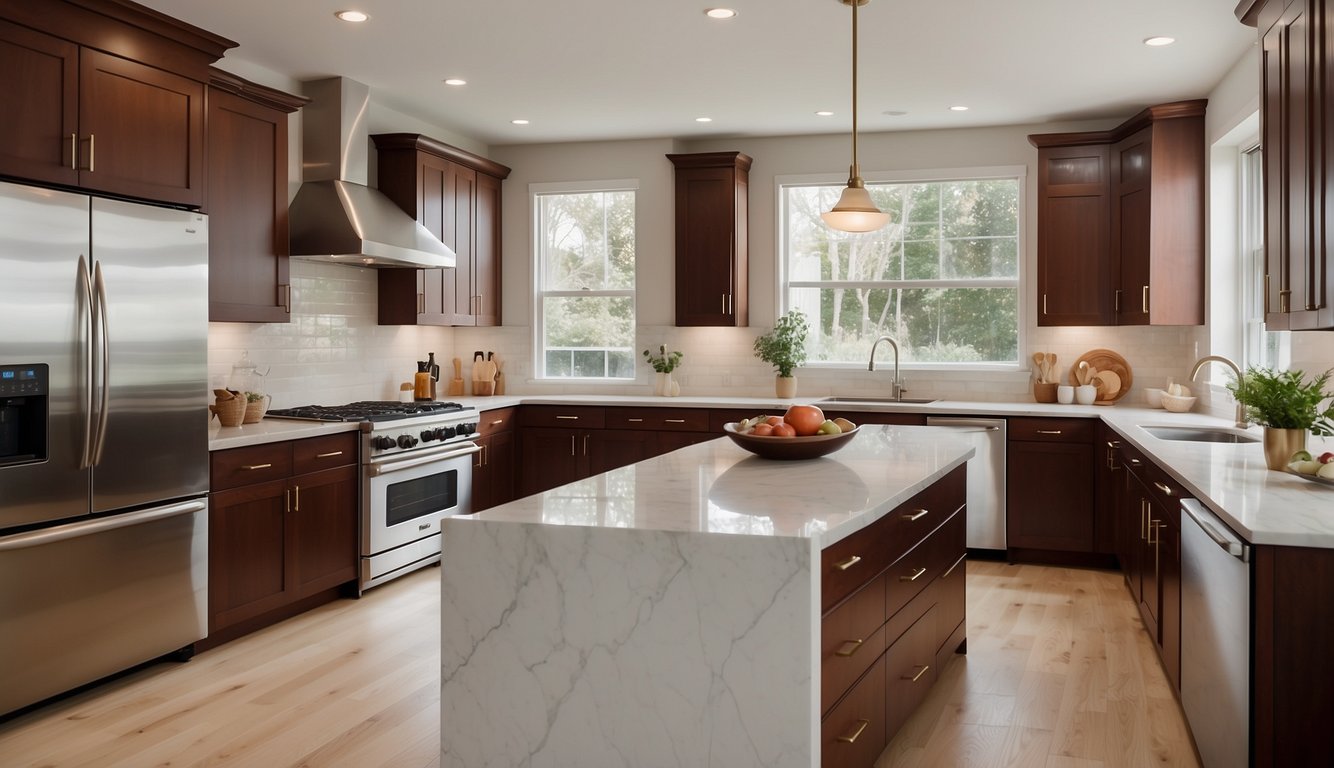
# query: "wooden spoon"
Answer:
x=1051 y=366
x=1038 y=360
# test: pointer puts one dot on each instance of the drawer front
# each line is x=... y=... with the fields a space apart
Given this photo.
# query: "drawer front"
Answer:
x=951 y=603
x=499 y=420
x=1052 y=430
x=252 y=464
x=661 y=419
x=910 y=574
x=923 y=513
x=852 y=637
x=910 y=670
x=853 y=734
x=316 y=453
x=572 y=417
x=848 y=564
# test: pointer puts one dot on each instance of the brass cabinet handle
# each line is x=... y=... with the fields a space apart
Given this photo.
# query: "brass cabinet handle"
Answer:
x=1113 y=443
x=287 y=500
x=1143 y=519
x=568 y=418
x=675 y=421
x=251 y=467
x=917 y=574
x=846 y=564
x=327 y=455
x=287 y=298
x=585 y=445
x=497 y=422
x=1044 y=303
x=296 y=498
x=849 y=648
x=572 y=445
x=1167 y=490
x=92 y=151
x=1049 y=431
x=919 y=674
x=1116 y=300
x=1154 y=525
x=852 y=737
x=1134 y=462
x=74 y=151
x=1144 y=299
x=634 y=421
x=916 y=514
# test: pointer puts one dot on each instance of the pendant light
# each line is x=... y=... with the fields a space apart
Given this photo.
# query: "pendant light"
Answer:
x=854 y=211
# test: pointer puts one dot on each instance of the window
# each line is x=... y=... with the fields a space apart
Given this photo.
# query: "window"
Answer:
x=942 y=278
x=1267 y=349
x=585 y=292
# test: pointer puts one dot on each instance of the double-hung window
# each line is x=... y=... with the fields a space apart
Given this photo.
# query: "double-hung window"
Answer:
x=584 y=243
x=942 y=277
x=1263 y=348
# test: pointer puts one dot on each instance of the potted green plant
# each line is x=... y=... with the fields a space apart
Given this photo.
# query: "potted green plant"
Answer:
x=1287 y=406
x=664 y=363
x=785 y=349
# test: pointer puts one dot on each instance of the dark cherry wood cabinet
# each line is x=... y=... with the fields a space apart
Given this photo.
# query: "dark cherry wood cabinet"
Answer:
x=1152 y=508
x=712 y=261
x=1107 y=481
x=247 y=201
x=1121 y=221
x=111 y=97
x=494 y=471
x=283 y=531
x=455 y=195
x=1049 y=486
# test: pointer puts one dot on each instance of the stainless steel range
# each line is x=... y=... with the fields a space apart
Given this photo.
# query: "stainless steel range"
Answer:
x=416 y=468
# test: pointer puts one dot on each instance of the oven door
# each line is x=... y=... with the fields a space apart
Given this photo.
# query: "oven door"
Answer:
x=406 y=496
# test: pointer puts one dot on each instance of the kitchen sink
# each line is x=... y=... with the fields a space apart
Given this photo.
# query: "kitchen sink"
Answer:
x=1200 y=434
x=881 y=400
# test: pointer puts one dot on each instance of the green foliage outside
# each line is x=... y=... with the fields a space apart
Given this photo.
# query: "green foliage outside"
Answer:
x=1283 y=400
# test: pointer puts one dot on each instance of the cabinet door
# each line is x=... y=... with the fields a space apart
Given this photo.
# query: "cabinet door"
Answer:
x=1074 y=262
x=1049 y=496
x=551 y=458
x=486 y=251
x=435 y=211
x=41 y=84
x=1149 y=566
x=707 y=221
x=247 y=207
x=1168 y=545
x=493 y=471
x=322 y=529
x=247 y=566
x=460 y=300
x=142 y=130
x=613 y=448
x=1106 y=479
x=1131 y=226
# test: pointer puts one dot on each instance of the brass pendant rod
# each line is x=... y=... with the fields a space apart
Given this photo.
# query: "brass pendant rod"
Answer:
x=855 y=170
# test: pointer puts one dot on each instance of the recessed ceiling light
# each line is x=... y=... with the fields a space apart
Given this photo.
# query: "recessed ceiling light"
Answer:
x=520 y=121
x=825 y=113
x=704 y=119
x=456 y=81
x=355 y=17
x=1159 y=40
x=958 y=108
x=720 y=13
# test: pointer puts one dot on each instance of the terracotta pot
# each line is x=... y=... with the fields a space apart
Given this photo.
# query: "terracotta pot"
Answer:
x=1280 y=444
x=785 y=386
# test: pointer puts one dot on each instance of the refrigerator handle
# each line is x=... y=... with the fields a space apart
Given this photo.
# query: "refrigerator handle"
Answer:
x=102 y=358
x=29 y=539
x=86 y=306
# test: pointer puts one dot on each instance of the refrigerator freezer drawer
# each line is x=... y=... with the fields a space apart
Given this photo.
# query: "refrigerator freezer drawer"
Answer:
x=81 y=601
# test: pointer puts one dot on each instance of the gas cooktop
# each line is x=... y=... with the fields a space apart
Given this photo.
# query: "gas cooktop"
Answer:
x=367 y=410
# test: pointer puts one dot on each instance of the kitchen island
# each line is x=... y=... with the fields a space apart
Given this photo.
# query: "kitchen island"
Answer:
x=670 y=612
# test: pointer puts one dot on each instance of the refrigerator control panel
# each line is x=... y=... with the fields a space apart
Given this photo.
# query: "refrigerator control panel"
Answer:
x=22 y=380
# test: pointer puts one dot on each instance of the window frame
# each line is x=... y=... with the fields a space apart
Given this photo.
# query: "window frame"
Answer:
x=1019 y=173
x=537 y=249
x=1251 y=266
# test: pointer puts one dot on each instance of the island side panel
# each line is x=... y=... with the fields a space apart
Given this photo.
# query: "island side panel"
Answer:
x=564 y=645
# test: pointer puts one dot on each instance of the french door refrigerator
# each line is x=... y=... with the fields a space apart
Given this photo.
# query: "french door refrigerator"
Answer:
x=103 y=437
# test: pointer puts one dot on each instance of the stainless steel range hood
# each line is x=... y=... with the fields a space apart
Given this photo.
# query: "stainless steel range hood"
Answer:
x=335 y=217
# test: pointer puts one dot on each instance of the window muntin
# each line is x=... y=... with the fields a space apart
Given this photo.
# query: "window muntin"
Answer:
x=585 y=293
x=942 y=277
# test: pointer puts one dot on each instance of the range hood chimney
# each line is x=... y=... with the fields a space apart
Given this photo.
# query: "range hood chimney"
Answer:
x=335 y=217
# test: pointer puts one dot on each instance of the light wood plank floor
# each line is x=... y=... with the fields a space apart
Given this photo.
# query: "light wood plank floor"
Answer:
x=1059 y=675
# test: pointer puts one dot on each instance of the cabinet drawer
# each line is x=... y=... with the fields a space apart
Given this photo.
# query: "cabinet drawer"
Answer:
x=846 y=565
x=951 y=603
x=910 y=574
x=852 y=636
x=853 y=734
x=573 y=417
x=499 y=420
x=662 y=419
x=1053 y=430
x=910 y=671
x=921 y=514
x=316 y=453
x=252 y=464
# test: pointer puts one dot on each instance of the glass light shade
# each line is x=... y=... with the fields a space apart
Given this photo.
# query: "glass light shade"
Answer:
x=854 y=212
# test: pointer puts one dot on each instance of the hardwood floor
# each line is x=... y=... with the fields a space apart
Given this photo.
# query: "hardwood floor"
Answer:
x=1059 y=674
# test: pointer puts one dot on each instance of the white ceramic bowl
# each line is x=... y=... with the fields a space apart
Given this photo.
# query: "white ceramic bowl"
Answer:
x=1154 y=397
x=1177 y=404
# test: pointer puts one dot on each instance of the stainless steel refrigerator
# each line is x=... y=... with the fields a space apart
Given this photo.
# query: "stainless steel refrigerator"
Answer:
x=103 y=437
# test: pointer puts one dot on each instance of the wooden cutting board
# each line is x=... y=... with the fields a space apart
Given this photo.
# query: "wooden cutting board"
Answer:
x=1106 y=360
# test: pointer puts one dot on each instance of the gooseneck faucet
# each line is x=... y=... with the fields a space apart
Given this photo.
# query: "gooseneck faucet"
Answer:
x=896 y=388
x=1199 y=364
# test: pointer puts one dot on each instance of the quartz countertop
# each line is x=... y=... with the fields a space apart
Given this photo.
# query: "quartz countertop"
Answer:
x=272 y=431
x=718 y=487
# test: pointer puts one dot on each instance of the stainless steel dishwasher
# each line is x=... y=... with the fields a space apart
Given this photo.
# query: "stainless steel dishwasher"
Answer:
x=1215 y=636
x=986 y=478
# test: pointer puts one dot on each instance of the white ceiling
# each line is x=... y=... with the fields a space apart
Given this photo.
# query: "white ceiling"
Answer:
x=616 y=69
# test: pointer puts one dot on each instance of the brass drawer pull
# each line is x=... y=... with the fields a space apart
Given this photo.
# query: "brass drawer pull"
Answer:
x=328 y=455
x=849 y=648
x=74 y=152
x=568 y=418
x=1135 y=462
x=287 y=500
x=916 y=575
x=1049 y=431
x=675 y=421
x=296 y=498
x=634 y=421
x=852 y=737
x=1167 y=490
x=919 y=674
x=1113 y=443
x=846 y=564
x=251 y=467
x=497 y=422
x=916 y=514
x=1144 y=300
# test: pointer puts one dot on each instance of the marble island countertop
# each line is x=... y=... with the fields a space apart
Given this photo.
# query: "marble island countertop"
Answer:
x=718 y=487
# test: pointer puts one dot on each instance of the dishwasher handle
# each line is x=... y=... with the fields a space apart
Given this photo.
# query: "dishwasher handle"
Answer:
x=1211 y=527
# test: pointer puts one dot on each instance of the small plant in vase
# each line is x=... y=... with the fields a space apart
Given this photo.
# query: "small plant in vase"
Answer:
x=785 y=349
x=664 y=363
x=1287 y=406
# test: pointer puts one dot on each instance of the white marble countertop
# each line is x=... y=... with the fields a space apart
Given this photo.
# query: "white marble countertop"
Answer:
x=271 y=431
x=718 y=487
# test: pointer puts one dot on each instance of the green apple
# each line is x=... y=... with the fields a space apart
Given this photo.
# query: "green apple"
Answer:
x=1300 y=456
x=829 y=428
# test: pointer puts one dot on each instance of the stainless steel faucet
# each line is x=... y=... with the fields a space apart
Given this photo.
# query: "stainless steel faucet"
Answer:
x=1199 y=365
x=896 y=387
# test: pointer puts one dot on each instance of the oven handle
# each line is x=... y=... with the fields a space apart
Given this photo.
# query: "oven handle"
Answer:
x=375 y=469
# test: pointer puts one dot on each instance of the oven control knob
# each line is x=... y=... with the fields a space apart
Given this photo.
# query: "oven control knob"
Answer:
x=382 y=443
x=428 y=435
x=406 y=441
x=467 y=429
x=441 y=433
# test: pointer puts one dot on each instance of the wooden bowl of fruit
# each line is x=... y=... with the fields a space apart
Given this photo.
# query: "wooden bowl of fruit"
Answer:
x=801 y=433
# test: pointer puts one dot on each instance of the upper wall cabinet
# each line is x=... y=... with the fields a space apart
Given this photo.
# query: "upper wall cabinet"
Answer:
x=455 y=195
x=1297 y=136
x=247 y=201
x=1121 y=221
x=104 y=96
x=712 y=196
